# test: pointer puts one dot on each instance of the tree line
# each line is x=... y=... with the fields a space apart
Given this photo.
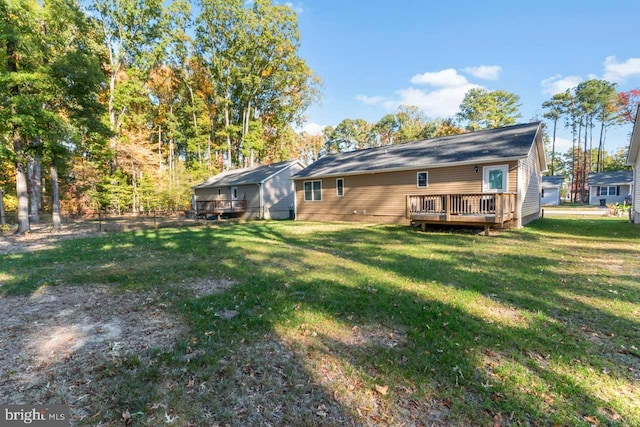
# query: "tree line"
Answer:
x=593 y=105
x=125 y=104
x=480 y=109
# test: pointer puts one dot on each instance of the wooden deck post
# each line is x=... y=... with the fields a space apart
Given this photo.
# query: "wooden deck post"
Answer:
x=447 y=208
x=486 y=229
x=408 y=207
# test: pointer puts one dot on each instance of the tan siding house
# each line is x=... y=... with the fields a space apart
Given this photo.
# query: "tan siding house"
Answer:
x=264 y=192
x=633 y=160
x=470 y=178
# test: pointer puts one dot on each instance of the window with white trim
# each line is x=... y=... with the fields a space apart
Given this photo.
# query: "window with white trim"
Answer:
x=340 y=187
x=495 y=179
x=422 y=180
x=609 y=191
x=312 y=191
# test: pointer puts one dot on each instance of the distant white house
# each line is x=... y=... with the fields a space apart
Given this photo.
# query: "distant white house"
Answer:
x=551 y=187
x=633 y=159
x=262 y=192
x=610 y=187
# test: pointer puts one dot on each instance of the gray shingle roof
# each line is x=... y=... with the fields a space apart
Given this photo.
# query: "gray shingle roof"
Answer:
x=611 y=178
x=244 y=176
x=552 y=181
x=484 y=146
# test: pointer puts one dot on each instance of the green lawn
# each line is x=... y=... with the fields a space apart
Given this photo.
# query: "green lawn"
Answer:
x=371 y=324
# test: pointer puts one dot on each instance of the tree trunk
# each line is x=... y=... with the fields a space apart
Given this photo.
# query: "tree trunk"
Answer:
x=21 y=185
x=55 y=199
x=112 y=120
x=209 y=153
x=195 y=123
x=3 y=219
x=576 y=159
x=226 y=125
x=34 y=168
x=584 y=164
x=600 y=165
x=23 y=198
x=159 y=148
x=553 y=147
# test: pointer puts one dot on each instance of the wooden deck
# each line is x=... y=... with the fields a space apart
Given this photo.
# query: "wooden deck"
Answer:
x=206 y=208
x=476 y=209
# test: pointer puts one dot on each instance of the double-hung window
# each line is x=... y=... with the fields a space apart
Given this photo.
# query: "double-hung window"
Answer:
x=609 y=191
x=312 y=191
x=340 y=187
x=422 y=180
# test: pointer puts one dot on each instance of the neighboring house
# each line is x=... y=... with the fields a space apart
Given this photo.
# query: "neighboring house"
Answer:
x=610 y=187
x=264 y=191
x=633 y=159
x=551 y=187
x=490 y=177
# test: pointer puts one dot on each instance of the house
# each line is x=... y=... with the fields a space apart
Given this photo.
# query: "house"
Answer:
x=264 y=191
x=551 y=188
x=610 y=187
x=489 y=177
x=633 y=159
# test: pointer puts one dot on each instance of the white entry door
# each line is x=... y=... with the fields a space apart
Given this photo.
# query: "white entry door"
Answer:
x=495 y=179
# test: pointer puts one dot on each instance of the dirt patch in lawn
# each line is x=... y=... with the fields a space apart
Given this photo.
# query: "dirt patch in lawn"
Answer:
x=55 y=342
x=43 y=237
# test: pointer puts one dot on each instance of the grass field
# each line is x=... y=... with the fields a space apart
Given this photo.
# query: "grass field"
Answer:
x=335 y=324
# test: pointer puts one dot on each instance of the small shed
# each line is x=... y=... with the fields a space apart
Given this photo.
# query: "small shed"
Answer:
x=551 y=188
x=610 y=187
x=260 y=192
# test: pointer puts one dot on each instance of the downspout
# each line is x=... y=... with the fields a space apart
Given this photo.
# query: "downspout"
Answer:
x=260 y=202
x=519 y=194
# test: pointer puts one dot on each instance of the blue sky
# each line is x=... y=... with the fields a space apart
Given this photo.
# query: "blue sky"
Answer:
x=375 y=55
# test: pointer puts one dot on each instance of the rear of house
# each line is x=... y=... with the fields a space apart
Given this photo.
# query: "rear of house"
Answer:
x=551 y=189
x=610 y=187
x=261 y=192
x=633 y=160
x=491 y=176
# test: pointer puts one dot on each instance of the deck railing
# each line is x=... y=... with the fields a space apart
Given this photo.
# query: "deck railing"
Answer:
x=494 y=207
x=220 y=206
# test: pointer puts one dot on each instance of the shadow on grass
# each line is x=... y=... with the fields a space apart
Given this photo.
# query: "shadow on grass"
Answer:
x=422 y=285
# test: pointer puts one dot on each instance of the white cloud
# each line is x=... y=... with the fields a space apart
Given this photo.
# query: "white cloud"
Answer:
x=371 y=100
x=443 y=102
x=559 y=83
x=615 y=71
x=563 y=145
x=297 y=7
x=484 y=72
x=443 y=78
x=312 y=128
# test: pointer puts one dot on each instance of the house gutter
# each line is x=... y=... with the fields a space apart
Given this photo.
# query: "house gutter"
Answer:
x=412 y=168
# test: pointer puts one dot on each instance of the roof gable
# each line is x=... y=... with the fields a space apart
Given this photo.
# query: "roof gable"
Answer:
x=634 y=145
x=245 y=176
x=507 y=143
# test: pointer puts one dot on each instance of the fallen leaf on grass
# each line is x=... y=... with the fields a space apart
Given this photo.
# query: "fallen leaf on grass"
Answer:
x=382 y=389
x=592 y=420
x=322 y=411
